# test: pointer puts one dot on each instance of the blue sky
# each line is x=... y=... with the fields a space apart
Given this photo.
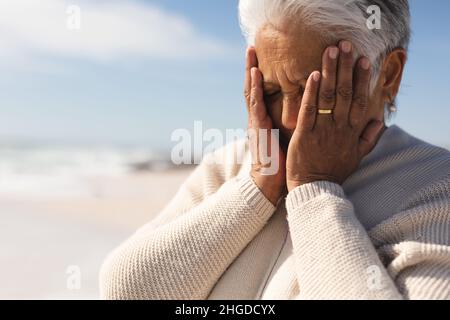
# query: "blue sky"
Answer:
x=136 y=81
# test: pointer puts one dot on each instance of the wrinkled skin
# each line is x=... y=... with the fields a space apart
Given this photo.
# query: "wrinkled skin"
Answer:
x=291 y=74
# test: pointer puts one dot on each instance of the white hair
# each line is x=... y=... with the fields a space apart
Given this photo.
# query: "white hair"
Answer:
x=336 y=20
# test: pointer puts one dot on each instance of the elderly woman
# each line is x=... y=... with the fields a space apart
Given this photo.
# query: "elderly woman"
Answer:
x=357 y=210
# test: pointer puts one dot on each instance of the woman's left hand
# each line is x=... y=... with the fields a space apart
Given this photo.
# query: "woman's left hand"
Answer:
x=330 y=147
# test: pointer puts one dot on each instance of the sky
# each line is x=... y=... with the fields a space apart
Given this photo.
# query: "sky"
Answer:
x=137 y=70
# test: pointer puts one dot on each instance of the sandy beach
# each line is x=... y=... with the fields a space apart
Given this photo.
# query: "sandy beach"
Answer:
x=43 y=237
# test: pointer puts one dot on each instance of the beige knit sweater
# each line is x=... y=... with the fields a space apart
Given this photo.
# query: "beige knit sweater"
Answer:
x=385 y=234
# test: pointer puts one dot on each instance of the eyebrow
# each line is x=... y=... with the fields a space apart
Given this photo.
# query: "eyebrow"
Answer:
x=270 y=85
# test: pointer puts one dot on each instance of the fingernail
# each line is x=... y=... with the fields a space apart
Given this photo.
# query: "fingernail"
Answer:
x=333 y=53
x=346 y=46
x=316 y=76
x=365 y=64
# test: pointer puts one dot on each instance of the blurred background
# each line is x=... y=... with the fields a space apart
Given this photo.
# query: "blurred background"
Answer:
x=90 y=93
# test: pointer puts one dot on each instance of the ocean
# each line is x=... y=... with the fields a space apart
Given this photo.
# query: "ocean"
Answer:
x=52 y=170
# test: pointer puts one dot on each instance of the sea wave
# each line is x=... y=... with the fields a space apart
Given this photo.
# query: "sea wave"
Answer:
x=63 y=170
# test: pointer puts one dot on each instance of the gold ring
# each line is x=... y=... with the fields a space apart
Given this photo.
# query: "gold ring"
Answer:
x=325 y=111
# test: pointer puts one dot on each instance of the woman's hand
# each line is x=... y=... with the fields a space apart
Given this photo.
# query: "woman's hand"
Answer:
x=270 y=177
x=330 y=147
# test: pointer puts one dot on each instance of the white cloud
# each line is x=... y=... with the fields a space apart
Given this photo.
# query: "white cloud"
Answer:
x=109 y=30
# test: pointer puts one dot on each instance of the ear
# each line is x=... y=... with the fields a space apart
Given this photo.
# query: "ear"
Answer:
x=392 y=73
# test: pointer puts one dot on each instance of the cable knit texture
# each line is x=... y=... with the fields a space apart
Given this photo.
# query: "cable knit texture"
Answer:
x=384 y=234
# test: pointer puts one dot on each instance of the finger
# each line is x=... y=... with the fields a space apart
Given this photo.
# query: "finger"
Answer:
x=370 y=137
x=344 y=92
x=250 y=62
x=361 y=94
x=308 y=110
x=259 y=118
x=258 y=112
x=327 y=93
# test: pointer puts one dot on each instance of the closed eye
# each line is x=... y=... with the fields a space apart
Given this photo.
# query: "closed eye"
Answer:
x=275 y=94
x=271 y=94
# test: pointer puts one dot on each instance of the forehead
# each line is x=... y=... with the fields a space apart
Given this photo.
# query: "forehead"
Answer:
x=288 y=54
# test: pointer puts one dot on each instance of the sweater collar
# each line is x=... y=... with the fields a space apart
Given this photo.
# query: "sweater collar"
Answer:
x=393 y=139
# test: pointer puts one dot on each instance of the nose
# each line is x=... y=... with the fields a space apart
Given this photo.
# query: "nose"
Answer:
x=291 y=108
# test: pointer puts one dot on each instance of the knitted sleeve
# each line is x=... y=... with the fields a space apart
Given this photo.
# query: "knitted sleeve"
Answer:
x=183 y=256
x=335 y=258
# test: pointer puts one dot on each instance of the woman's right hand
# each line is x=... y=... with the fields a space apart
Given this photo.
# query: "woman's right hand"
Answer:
x=269 y=177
